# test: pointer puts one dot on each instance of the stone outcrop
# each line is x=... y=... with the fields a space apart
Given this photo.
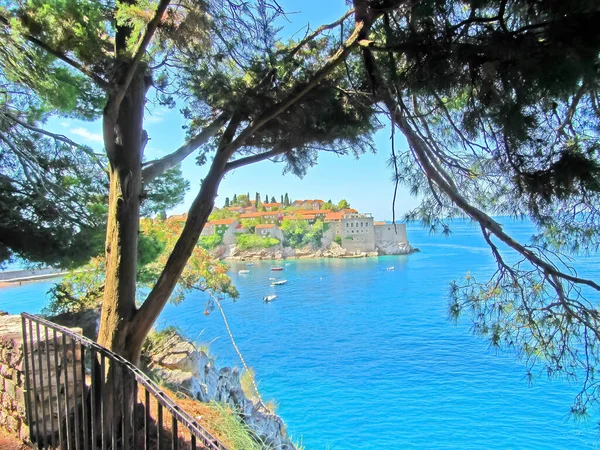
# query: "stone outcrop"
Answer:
x=185 y=368
x=395 y=248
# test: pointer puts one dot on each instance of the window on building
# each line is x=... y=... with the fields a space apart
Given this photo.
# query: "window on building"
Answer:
x=389 y=229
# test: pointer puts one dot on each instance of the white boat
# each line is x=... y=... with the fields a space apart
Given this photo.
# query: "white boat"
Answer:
x=278 y=283
x=390 y=268
x=242 y=272
x=249 y=264
x=269 y=298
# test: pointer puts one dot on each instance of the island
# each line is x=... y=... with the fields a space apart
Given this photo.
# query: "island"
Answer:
x=250 y=229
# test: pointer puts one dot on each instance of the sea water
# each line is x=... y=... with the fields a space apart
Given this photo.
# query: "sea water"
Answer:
x=360 y=357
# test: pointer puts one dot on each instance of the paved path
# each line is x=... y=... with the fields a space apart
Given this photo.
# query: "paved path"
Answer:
x=13 y=276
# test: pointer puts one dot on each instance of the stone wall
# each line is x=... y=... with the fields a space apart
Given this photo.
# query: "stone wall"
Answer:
x=50 y=362
x=12 y=379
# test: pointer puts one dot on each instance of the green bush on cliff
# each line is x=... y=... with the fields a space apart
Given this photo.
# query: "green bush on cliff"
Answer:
x=210 y=242
x=247 y=241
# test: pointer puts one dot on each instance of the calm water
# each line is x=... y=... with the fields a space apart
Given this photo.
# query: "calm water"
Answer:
x=358 y=357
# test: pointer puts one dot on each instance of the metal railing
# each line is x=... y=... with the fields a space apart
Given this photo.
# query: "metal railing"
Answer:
x=69 y=406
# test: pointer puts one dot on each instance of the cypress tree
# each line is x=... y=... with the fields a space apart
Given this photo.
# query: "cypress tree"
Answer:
x=226 y=202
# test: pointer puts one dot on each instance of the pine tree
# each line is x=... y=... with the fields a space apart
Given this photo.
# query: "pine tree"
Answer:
x=234 y=202
x=256 y=199
x=266 y=199
x=273 y=200
x=286 y=200
x=226 y=202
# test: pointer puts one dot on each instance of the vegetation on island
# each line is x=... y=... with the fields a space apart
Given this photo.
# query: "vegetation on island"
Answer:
x=299 y=233
x=249 y=241
x=497 y=100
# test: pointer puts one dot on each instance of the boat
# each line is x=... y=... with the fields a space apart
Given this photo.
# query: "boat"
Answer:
x=278 y=283
x=276 y=269
x=390 y=268
x=249 y=264
x=242 y=272
x=269 y=298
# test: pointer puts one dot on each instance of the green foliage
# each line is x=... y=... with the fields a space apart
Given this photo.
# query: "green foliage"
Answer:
x=210 y=242
x=329 y=205
x=240 y=200
x=226 y=202
x=164 y=192
x=234 y=430
x=250 y=224
x=78 y=290
x=248 y=241
x=221 y=214
x=343 y=204
x=337 y=239
x=298 y=233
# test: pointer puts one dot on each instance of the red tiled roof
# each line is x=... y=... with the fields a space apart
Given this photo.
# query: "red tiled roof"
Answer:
x=349 y=211
x=239 y=226
x=270 y=205
x=303 y=212
x=234 y=208
x=379 y=223
x=334 y=216
x=179 y=217
x=254 y=215
x=222 y=222
x=266 y=225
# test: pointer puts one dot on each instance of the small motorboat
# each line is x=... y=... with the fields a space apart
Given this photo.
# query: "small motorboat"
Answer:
x=269 y=298
x=249 y=264
x=278 y=283
x=390 y=268
x=243 y=272
x=276 y=269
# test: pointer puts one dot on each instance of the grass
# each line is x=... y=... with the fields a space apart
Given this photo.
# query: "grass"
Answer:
x=218 y=419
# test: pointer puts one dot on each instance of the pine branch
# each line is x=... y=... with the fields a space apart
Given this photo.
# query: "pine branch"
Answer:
x=153 y=169
x=57 y=137
x=236 y=164
x=64 y=58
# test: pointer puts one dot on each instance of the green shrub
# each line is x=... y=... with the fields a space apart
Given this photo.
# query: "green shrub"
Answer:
x=210 y=242
x=338 y=240
x=246 y=241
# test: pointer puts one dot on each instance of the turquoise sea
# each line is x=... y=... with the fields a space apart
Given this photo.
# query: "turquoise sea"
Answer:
x=359 y=357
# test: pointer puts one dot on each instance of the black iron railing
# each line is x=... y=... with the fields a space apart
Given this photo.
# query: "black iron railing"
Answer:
x=81 y=396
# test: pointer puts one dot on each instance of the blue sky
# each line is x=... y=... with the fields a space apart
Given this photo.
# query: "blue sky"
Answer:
x=366 y=183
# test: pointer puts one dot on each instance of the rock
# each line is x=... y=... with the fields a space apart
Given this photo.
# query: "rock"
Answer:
x=181 y=366
x=394 y=248
x=335 y=251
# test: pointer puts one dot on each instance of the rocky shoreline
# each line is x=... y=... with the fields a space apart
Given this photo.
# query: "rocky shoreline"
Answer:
x=187 y=369
x=279 y=252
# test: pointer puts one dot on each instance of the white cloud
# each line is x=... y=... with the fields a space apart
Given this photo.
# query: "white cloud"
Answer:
x=156 y=115
x=87 y=134
x=65 y=124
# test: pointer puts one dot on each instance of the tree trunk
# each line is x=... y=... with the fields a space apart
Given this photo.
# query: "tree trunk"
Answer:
x=124 y=138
